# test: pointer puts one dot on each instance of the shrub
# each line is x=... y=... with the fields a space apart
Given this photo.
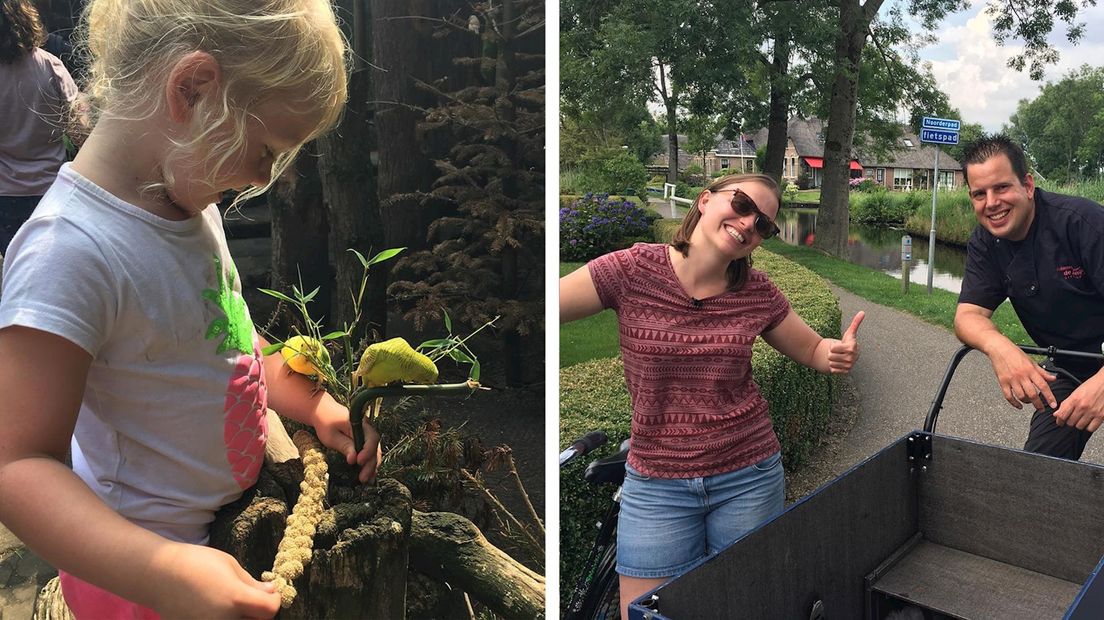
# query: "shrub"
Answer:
x=693 y=175
x=593 y=396
x=612 y=172
x=594 y=225
x=863 y=185
x=804 y=181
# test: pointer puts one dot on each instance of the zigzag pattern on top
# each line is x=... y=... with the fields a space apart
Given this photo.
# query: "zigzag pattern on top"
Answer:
x=696 y=409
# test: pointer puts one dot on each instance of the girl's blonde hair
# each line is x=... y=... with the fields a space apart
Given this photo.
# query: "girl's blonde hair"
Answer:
x=738 y=270
x=287 y=50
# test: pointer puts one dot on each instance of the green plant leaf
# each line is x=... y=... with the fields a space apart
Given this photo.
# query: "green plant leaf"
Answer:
x=384 y=255
x=277 y=295
x=333 y=335
x=448 y=321
x=433 y=344
x=474 y=374
x=272 y=348
x=363 y=261
x=460 y=356
x=312 y=294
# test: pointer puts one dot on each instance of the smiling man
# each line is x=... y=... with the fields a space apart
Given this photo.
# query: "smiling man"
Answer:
x=1045 y=253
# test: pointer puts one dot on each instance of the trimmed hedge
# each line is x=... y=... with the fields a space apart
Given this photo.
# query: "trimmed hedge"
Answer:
x=593 y=396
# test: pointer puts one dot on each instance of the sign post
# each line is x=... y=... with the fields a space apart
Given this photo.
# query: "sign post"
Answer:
x=906 y=262
x=937 y=131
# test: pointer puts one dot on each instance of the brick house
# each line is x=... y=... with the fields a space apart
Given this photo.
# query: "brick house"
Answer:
x=736 y=155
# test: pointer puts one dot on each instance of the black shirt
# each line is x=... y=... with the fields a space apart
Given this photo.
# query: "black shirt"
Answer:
x=1054 y=277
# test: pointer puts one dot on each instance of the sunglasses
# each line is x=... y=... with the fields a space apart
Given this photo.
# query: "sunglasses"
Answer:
x=743 y=205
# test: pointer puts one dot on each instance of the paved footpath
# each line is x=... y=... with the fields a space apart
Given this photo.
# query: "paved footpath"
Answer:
x=901 y=362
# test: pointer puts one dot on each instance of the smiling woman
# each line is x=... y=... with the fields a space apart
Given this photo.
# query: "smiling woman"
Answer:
x=687 y=316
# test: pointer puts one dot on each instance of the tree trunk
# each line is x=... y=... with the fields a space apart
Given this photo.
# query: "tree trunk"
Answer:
x=778 y=115
x=299 y=229
x=452 y=548
x=348 y=185
x=401 y=53
x=833 y=218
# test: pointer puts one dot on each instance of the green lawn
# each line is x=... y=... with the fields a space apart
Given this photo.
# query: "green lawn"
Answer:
x=591 y=338
x=810 y=196
x=937 y=308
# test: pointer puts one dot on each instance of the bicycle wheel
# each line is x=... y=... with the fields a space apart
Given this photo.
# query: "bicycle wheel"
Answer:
x=604 y=602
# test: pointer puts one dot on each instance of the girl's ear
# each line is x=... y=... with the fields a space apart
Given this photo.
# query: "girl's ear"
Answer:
x=195 y=75
x=703 y=199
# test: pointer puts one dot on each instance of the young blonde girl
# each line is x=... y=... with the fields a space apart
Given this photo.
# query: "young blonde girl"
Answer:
x=122 y=326
x=704 y=467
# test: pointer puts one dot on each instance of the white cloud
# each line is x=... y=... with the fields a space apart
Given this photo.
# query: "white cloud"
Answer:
x=972 y=68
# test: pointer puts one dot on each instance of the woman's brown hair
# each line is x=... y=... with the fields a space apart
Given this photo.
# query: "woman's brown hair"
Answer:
x=21 y=30
x=737 y=272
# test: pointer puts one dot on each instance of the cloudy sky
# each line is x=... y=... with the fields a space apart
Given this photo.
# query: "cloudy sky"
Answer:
x=972 y=69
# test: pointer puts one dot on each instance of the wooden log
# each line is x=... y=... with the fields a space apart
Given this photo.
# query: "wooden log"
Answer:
x=450 y=547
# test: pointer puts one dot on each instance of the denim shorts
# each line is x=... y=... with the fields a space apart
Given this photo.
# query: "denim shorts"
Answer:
x=668 y=524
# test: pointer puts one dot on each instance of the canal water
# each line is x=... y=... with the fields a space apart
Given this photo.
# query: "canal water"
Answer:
x=879 y=247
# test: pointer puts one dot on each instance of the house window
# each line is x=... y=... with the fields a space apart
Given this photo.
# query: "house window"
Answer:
x=902 y=178
x=793 y=167
x=946 y=179
x=724 y=164
x=749 y=166
x=868 y=173
x=881 y=175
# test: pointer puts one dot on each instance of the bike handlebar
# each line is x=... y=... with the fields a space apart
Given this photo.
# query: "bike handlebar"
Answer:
x=583 y=445
x=1050 y=352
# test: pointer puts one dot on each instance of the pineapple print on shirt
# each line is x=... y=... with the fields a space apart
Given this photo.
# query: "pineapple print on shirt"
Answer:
x=245 y=429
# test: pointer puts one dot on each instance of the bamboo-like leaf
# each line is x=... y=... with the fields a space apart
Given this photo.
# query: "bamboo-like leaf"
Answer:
x=474 y=374
x=360 y=257
x=333 y=335
x=277 y=295
x=312 y=294
x=434 y=344
x=272 y=348
x=384 y=255
x=460 y=356
x=448 y=321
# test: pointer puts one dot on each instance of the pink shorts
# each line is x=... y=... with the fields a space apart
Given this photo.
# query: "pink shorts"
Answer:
x=88 y=601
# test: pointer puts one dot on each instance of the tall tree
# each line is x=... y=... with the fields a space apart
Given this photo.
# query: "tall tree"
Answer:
x=702 y=131
x=670 y=51
x=856 y=27
x=1060 y=128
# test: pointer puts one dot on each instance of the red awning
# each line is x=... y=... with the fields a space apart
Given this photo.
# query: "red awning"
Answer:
x=818 y=162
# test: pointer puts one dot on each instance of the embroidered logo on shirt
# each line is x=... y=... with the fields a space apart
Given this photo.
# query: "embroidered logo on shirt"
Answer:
x=1070 y=272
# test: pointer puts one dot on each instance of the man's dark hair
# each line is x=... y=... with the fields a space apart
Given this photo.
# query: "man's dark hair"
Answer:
x=986 y=147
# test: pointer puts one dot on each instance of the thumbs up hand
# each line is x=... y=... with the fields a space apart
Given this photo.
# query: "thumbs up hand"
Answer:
x=843 y=352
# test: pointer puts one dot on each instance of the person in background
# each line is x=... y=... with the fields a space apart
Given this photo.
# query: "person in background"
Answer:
x=705 y=465
x=37 y=96
x=1044 y=252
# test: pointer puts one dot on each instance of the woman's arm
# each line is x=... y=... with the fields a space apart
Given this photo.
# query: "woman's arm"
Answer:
x=52 y=511
x=294 y=396
x=578 y=297
x=797 y=341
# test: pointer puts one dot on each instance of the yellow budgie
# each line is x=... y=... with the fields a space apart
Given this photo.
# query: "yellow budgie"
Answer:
x=393 y=361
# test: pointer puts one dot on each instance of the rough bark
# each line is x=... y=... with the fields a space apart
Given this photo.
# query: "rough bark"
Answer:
x=299 y=229
x=833 y=218
x=348 y=186
x=778 y=114
x=448 y=546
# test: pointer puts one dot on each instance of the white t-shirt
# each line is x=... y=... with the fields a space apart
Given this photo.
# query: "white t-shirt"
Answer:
x=172 y=424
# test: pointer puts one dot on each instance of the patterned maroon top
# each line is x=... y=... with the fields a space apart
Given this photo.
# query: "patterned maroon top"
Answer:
x=696 y=409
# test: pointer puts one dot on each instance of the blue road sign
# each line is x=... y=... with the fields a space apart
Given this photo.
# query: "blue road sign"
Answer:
x=938 y=137
x=945 y=124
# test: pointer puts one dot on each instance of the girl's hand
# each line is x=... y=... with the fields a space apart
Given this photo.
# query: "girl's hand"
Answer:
x=207 y=583
x=843 y=353
x=334 y=431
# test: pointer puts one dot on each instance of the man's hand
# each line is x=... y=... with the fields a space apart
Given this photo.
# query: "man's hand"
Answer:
x=1084 y=408
x=1021 y=380
x=843 y=354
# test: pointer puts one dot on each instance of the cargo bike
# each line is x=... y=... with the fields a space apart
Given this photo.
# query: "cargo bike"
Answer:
x=931 y=527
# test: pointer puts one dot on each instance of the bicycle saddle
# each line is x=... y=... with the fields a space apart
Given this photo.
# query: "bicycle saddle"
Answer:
x=608 y=469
